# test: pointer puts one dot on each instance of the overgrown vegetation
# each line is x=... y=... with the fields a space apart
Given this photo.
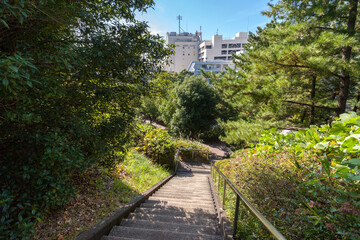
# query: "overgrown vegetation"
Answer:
x=187 y=104
x=306 y=182
x=71 y=75
x=190 y=110
x=99 y=193
x=302 y=68
x=157 y=144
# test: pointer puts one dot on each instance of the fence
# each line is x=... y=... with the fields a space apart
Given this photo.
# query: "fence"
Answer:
x=193 y=150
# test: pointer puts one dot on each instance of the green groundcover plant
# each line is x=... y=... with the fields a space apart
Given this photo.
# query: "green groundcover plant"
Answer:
x=305 y=182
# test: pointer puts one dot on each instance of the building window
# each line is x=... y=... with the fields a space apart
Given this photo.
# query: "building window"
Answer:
x=219 y=58
x=230 y=58
x=223 y=52
x=224 y=46
x=244 y=44
x=232 y=51
x=235 y=45
x=208 y=47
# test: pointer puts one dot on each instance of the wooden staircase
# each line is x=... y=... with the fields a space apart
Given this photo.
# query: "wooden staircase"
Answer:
x=182 y=209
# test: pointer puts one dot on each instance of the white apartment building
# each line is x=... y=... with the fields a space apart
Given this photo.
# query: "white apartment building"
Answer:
x=186 y=50
x=219 y=49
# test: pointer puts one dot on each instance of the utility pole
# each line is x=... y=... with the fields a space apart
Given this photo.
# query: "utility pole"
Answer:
x=179 y=18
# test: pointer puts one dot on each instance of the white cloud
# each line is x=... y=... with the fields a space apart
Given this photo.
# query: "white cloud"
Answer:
x=154 y=29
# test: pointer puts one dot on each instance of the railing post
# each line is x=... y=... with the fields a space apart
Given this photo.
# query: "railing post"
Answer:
x=214 y=176
x=219 y=183
x=223 y=205
x=236 y=215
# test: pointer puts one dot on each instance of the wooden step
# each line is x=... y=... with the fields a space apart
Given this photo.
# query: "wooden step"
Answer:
x=177 y=212
x=172 y=227
x=174 y=219
x=151 y=234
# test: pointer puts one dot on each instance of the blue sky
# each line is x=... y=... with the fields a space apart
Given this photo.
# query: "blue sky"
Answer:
x=226 y=16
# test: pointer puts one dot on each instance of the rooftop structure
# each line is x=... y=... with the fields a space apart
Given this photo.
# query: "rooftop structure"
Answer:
x=220 y=49
x=186 y=50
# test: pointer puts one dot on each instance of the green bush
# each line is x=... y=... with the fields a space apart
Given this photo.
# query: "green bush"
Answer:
x=306 y=180
x=67 y=97
x=149 y=109
x=243 y=132
x=188 y=154
x=156 y=143
x=190 y=109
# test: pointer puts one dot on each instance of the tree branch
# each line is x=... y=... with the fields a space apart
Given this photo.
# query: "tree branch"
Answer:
x=313 y=105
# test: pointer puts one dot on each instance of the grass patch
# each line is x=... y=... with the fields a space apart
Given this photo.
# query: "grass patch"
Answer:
x=99 y=193
x=140 y=172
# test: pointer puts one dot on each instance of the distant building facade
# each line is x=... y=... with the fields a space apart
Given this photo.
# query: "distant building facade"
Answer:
x=210 y=66
x=186 y=50
x=220 y=49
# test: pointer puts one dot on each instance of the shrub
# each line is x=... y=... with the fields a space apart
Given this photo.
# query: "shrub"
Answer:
x=188 y=154
x=190 y=110
x=306 y=180
x=149 y=109
x=156 y=143
x=243 y=132
x=67 y=97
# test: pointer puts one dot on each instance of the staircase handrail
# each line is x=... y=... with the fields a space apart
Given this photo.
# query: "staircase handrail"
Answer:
x=192 y=149
x=251 y=207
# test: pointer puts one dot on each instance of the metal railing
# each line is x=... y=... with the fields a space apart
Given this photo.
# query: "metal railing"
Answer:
x=239 y=197
x=193 y=150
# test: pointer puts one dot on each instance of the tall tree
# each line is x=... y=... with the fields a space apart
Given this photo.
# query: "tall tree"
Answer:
x=71 y=73
x=333 y=20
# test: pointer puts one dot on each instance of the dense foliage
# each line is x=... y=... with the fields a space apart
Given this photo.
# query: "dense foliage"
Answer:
x=100 y=192
x=156 y=143
x=305 y=182
x=71 y=74
x=190 y=110
x=301 y=69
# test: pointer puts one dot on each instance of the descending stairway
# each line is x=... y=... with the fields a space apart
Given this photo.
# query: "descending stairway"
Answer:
x=182 y=209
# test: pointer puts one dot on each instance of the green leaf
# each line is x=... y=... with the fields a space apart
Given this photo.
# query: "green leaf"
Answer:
x=5 y=24
x=355 y=178
x=347 y=116
x=349 y=142
x=15 y=69
x=354 y=161
x=322 y=145
x=5 y=82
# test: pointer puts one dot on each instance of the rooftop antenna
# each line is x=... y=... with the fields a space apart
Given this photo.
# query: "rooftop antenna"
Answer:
x=200 y=28
x=179 y=18
x=217 y=31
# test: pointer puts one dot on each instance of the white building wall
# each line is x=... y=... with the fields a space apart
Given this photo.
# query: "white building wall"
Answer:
x=219 y=49
x=186 y=50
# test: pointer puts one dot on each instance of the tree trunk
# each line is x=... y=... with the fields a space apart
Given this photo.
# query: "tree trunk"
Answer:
x=357 y=100
x=303 y=115
x=345 y=79
x=312 y=96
